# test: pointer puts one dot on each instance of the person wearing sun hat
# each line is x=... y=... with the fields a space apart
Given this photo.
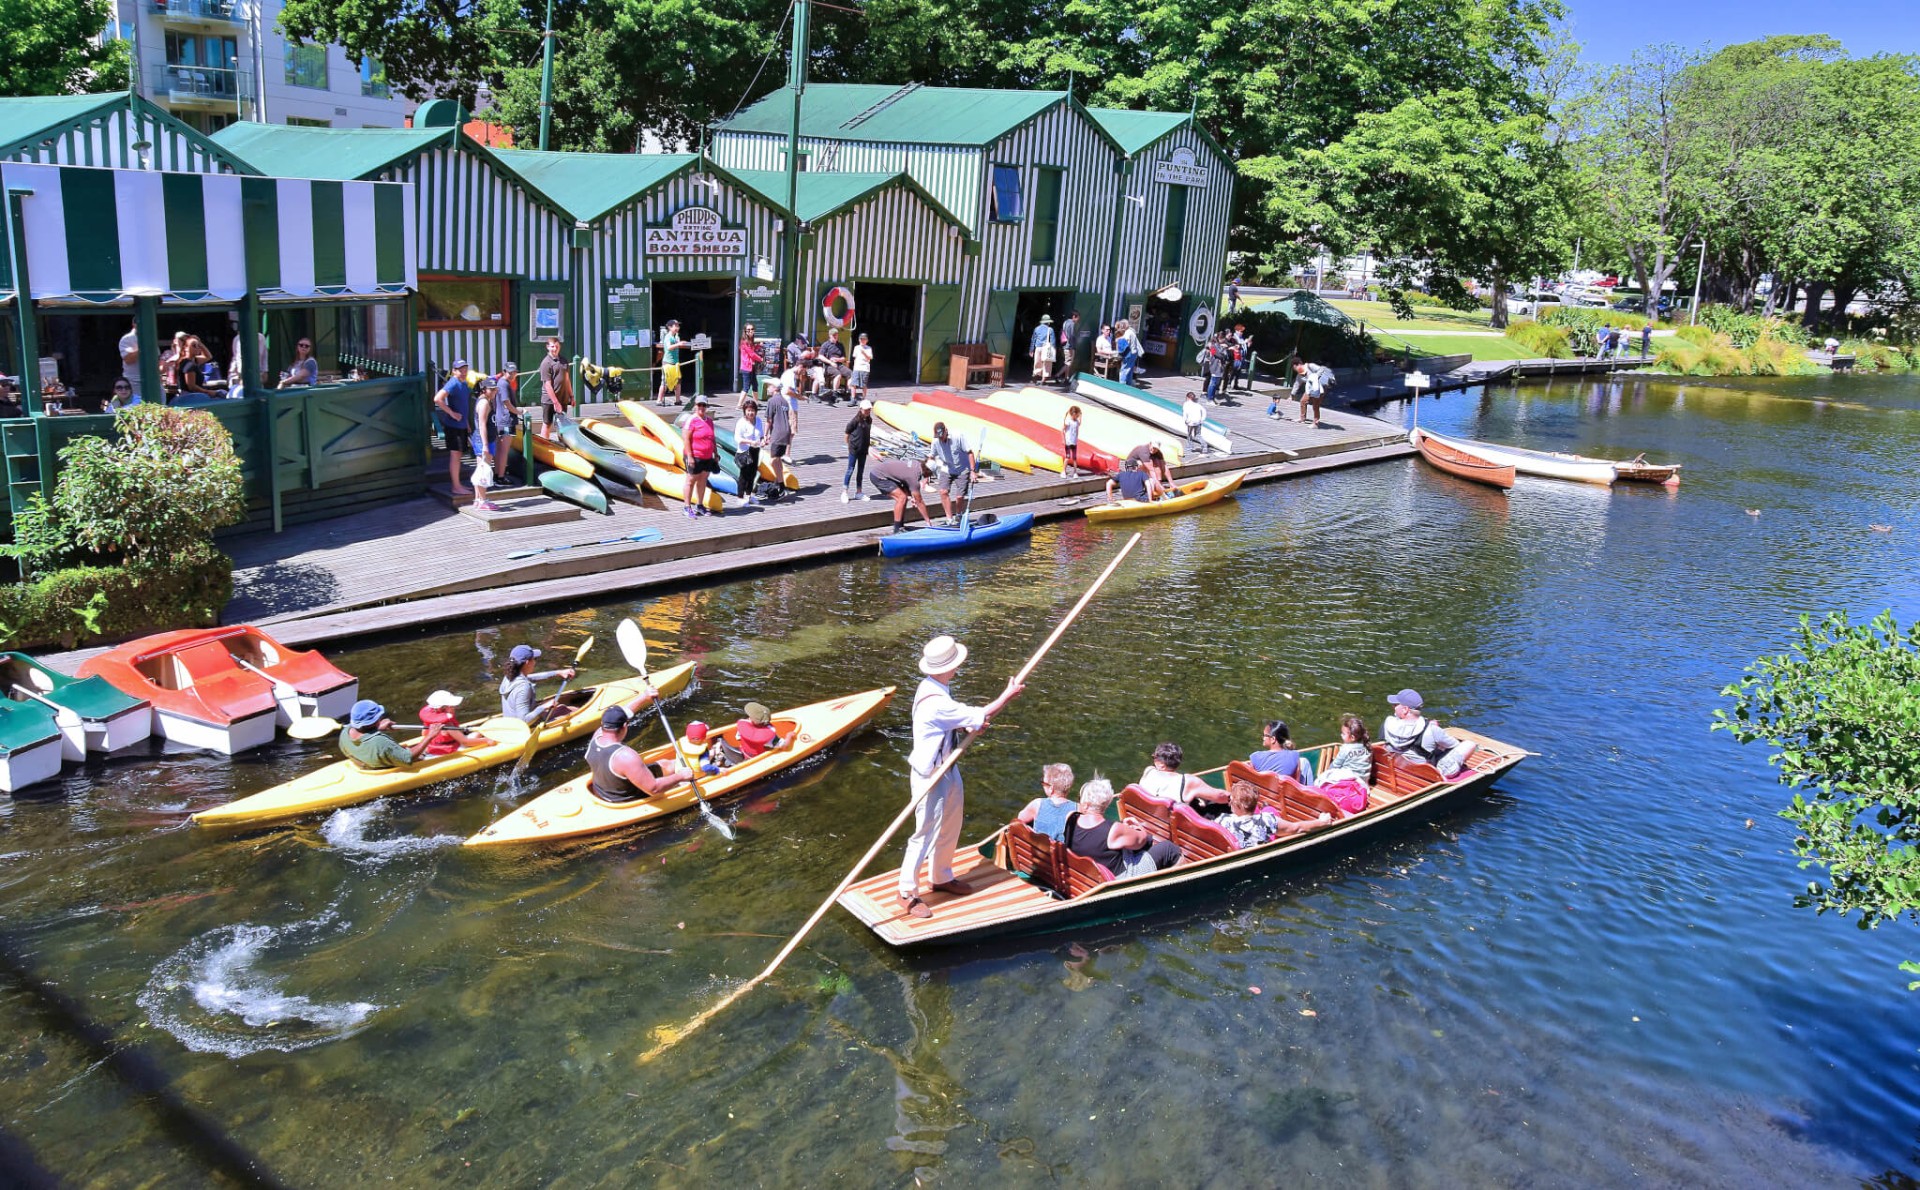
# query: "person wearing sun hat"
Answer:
x=440 y=712
x=940 y=722
x=367 y=742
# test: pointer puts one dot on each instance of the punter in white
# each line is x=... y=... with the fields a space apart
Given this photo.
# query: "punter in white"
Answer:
x=939 y=724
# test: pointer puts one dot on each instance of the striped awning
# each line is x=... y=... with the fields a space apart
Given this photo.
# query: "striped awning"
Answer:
x=98 y=235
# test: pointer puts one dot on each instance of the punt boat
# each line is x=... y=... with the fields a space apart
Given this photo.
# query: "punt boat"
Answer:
x=573 y=810
x=344 y=783
x=1462 y=463
x=224 y=689
x=1023 y=883
x=1186 y=496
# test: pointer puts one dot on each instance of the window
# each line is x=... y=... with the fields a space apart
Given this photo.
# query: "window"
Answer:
x=308 y=122
x=306 y=65
x=1046 y=213
x=456 y=303
x=1006 y=194
x=373 y=78
x=1176 y=227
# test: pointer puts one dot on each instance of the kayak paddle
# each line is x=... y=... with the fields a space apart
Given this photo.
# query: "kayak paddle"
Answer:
x=633 y=646
x=540 y=720
x=636 y=535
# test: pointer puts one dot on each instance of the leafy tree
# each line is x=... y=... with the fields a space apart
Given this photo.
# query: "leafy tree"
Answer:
x=157 y=489
x=1842 y=713
x=48 y=47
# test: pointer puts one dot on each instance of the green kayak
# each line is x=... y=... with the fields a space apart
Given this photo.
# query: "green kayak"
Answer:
x=574 y=490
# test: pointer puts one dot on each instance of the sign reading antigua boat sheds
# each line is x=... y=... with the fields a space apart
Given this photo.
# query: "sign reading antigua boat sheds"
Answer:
x=696 y=231
x=1180 y=169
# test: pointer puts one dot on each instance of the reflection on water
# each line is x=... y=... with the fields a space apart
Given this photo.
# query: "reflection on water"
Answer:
x=1592 y=976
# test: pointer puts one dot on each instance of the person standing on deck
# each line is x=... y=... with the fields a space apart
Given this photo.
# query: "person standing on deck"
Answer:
x=781 y=424
x=859 y=433
x=1129 y=347
x=959 y=466
x=1194 y=414
x=862 y=366
x=939 y=724
x=1042 y=348
x=483 y=435
x=453 y=409
x=1312 y=381
x=556 y=388
x=751 y=357
x=1069 y=345
x=669 y=362
x=749 y=435
x=703 y=456
x=516 y=689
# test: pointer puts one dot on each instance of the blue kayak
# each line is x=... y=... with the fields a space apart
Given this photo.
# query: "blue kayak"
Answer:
x=970 y=532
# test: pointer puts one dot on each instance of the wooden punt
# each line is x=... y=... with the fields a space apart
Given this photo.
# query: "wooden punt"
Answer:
x=1455 y=461
x=1027 y=890
x=1638 y=470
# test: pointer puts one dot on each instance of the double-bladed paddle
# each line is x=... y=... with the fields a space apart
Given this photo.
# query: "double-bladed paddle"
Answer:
x=636 y=535
x=633 y=646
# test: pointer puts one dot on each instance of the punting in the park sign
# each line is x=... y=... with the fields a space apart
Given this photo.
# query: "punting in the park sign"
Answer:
x=1180 y=168
x=696 y=231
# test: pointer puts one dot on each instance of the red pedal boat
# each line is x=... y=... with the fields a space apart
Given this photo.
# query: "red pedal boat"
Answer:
x=225 y=689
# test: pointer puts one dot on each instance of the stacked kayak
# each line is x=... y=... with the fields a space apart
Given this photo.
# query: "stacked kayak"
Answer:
x=1007 y=449
x=1187 y=496
x=1047 y=437
x=344 y=783
x=574 y=810
x=91 y=714
x=615 y=464
x=1155 y=410
x=1100 y=427
x=651 y=424
x=547 y=454
x=665 y=476
x=224 y=689
x=974 y=530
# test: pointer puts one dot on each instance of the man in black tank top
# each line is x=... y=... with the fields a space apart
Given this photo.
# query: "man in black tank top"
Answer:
x=619 y=775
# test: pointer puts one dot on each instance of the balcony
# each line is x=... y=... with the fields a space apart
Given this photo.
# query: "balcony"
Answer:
x=201 y=88
x=223 y=14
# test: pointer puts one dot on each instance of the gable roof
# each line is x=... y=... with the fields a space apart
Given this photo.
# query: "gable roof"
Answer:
x=1136 y=132
x=912 y=114
x=331 y=154
x=823 y=195
x=26 y=119
x=589 y=186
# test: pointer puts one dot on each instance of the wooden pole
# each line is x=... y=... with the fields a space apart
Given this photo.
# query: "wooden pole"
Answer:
x=669 y=1037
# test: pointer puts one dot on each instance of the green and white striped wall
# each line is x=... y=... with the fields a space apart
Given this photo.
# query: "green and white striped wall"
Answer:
x=107 y=136
x=97 y=235
x=950 y=173
x=1203 y=254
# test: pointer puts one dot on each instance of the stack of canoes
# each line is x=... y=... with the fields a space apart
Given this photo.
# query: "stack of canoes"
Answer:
x=224 y=689
x=1162 y=412
x=652 y=441
x=1101 y=429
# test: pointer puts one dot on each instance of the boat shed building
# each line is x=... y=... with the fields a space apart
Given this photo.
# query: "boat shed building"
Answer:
x=118 y=130
x=1062 y=208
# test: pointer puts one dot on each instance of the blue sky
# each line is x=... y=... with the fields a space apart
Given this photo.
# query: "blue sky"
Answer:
x=1609 y=31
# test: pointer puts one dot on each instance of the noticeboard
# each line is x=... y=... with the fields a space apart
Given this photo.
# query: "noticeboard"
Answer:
x=626 y=324
x=760 y=305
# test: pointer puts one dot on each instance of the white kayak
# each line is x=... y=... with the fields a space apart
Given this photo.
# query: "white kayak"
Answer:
x=1547 y=464
x=1156 y=411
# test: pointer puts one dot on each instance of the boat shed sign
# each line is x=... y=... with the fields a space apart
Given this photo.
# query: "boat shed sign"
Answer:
x=696 y=231
x=1180 y=168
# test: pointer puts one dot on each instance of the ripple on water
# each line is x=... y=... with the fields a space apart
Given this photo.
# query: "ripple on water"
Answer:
x=346 y=831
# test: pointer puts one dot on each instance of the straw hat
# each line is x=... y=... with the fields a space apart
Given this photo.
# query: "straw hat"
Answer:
x=943 y=654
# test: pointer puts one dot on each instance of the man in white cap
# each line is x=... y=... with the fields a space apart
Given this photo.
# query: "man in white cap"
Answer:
x=1411 y=734
x=939 y=724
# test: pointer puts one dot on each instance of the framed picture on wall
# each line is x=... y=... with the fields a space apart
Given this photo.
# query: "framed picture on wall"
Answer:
x=544 y=311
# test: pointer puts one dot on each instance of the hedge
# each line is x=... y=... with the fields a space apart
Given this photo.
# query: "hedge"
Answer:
x=186 y=592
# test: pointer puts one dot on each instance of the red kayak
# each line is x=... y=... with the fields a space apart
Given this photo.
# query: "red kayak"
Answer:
x=226 y=689
x=1088 y=459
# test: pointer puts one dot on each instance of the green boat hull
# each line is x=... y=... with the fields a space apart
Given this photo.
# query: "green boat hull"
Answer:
x=574 y=490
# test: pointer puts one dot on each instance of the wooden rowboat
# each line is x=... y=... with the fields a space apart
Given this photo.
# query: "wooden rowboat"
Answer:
x=1640 y=471
x=1455 y=461
x=573 y=810
x=1187 y=496
x=1030 y=885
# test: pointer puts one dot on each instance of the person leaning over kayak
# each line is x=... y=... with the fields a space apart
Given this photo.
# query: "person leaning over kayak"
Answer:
x=1133 y=484
x=516 y=689
x=366 y=743
x=940 y=722
x=901 y=479
x=619 y=774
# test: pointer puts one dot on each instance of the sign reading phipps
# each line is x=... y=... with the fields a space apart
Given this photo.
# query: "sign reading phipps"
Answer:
x=696 y=231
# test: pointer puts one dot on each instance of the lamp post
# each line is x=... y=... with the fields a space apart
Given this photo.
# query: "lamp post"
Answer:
x=1693 y=313
x=546 y=78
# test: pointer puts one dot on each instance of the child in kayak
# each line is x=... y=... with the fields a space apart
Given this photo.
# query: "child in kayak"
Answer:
x=755 y=733
x=439 y=712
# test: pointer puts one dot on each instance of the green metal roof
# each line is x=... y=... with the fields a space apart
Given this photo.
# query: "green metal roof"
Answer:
x=30 y=117
x=590 y=185
x=821 y=195
x=1137 y=131
x=331 y=154
x=903 y=115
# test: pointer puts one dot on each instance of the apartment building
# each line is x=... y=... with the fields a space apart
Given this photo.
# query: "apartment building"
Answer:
x=212 y=62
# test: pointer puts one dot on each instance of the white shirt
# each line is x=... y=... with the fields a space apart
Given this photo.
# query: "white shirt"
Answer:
x=863 y=358
x=790 y=380
x=747 y=432
x=1193 y=413
x=1165 y=785
x=1318 y=376
x=936 y=716
x=130 y=343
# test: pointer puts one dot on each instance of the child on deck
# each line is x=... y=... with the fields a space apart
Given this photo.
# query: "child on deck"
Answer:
x=450 y=739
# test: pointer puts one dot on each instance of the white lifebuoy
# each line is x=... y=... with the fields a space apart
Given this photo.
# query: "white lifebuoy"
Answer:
x=837 y=306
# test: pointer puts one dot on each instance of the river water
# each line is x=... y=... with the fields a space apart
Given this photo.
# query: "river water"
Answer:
x=1594 y=975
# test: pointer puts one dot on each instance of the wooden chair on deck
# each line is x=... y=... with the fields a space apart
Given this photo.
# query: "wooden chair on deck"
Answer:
x=968 y=361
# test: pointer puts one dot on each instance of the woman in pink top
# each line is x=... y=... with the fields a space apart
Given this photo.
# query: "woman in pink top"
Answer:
x=703 y=456
x=751 y=357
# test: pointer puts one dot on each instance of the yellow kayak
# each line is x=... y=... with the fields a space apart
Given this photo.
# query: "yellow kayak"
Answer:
x=1186 y=496
x=1100 y=428
x=573 y=810
x=642 y=446
x=344 y=783
x=1003 y=446
x=672 y=483
x=552 y=454
x=654 y=426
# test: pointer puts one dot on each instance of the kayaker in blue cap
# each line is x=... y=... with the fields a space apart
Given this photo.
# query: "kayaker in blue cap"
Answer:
x=366 y=743
x=516 y=689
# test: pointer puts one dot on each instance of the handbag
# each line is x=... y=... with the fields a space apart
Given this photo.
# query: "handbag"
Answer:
x=483 y=472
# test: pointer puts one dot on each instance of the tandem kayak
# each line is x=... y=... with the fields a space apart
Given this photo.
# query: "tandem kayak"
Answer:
x=1151 y=408
x=574 y=490
x=344 y=783
x=972 y=531
x=573 y=810
x=1186 y=496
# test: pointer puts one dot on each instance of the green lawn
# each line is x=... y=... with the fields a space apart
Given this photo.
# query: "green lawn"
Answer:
x=1478 y=346
x=1428 y=318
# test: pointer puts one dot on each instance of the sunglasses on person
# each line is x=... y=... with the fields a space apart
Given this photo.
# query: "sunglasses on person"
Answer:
x=307 y=346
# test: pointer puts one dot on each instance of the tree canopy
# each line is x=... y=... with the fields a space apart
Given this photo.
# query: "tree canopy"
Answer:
x=48 y=47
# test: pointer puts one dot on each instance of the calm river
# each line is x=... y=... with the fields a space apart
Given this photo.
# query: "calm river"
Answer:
x=1593 y=976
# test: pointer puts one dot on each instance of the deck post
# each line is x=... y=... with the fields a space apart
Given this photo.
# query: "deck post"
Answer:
x=29 y=330
x=146 y=318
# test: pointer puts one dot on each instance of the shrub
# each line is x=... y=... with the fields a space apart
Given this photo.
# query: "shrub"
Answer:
x=1545 y=342
x=40 y=539
x=1695 y=334
x=82 y=604
x=164 y=483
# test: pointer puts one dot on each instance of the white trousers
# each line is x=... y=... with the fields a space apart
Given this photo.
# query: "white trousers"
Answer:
x=936 y=831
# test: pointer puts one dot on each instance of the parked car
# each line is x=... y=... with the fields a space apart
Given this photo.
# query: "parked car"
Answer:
x=1529 y=306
